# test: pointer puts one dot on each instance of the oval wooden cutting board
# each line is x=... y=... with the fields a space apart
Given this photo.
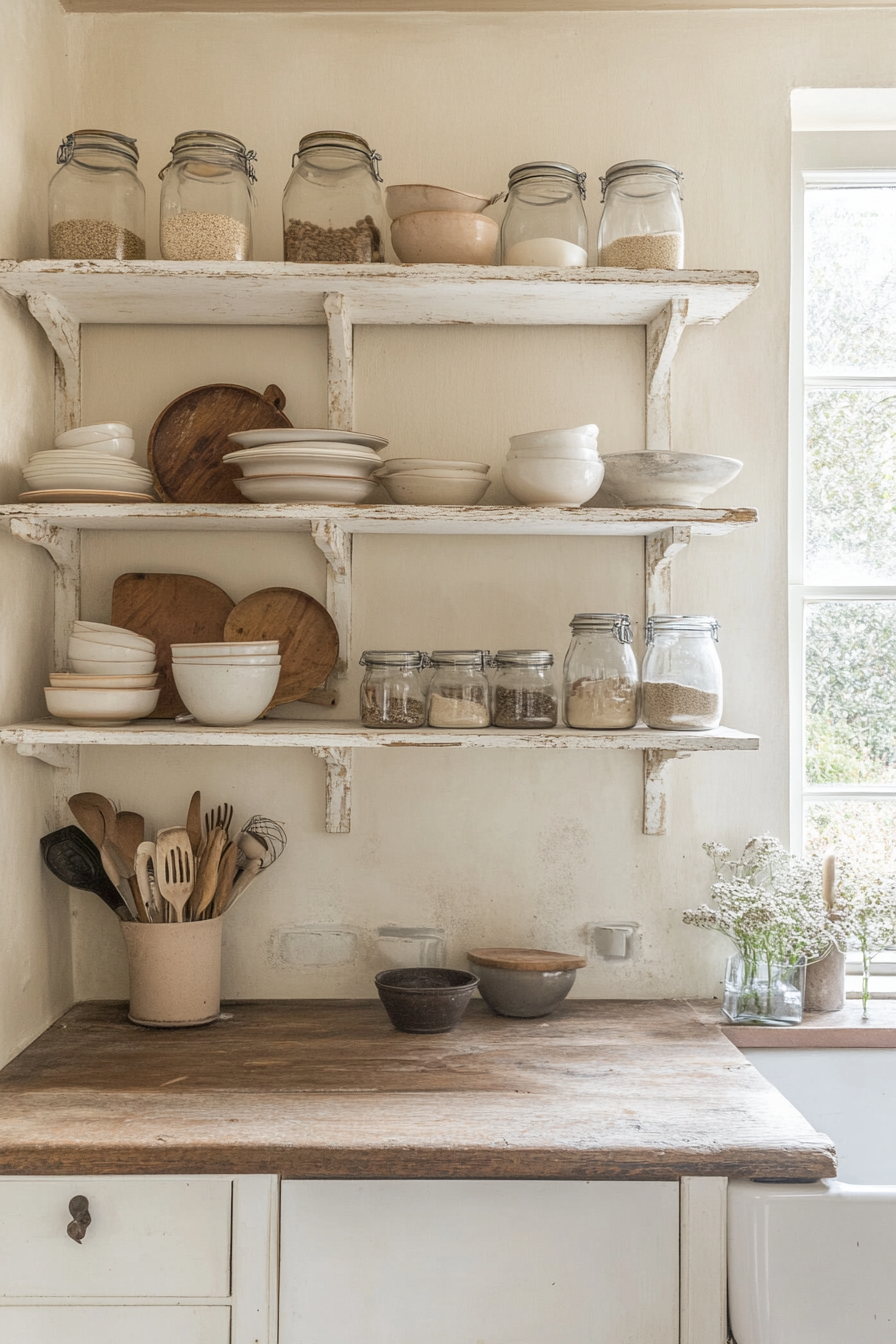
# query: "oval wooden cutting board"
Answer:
x=189 y=439
x=170 y=609
x=309 y=642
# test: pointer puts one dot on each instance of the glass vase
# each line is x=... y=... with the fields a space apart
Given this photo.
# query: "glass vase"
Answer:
x=763 y=991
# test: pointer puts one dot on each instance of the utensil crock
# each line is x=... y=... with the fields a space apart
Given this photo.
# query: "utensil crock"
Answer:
x=175 y=973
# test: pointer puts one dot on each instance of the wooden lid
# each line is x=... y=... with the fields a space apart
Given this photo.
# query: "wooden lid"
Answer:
x=525 y=959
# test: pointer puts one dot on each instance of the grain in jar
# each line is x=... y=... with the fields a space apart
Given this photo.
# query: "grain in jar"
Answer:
x=642 y=225
x=681 y=674
x=392 y=694
x=97 y=205
x=525 y=695
x=459 y=691
x=205 y=210
x=333 y=203
x=600 y=673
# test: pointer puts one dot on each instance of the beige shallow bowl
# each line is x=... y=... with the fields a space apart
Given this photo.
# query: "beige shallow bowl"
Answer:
x=416 y=487
x=97 y=707
x=75 y=679
x=393 y=464
x=101 y=667
x=110 y=653
x=304 y=489
x=667 y=480
x=412 y=197
x=454 y=237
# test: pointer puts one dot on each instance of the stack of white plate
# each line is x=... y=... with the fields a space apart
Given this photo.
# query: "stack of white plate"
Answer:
x=88 y=465
x=305 y=466
x=226 y=684
x=432 y=480
x=113 y=677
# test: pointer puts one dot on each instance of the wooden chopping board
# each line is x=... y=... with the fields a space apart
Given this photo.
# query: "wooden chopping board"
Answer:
x=170 y=609
x=309 y=642
x=189 y=439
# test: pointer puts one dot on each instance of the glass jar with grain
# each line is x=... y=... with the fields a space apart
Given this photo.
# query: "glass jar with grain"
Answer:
x=459 y=691
x=545 y=220
x=642 y=225
x=681 y=676
x=524 y=694
x=600 y=673
x=392 y=693
x=333 y=202
x=205 y=211
x=97 y=204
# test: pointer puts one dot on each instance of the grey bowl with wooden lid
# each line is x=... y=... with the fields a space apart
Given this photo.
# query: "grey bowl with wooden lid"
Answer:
x=524 y=981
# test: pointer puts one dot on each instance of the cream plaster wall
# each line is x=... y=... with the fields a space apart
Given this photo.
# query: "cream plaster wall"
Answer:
x=493 y=846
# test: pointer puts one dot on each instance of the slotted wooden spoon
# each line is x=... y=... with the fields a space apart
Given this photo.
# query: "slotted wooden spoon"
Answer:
x=174 y=868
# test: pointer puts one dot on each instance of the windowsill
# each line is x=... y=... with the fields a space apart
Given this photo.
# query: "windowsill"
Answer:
x=843 y=1030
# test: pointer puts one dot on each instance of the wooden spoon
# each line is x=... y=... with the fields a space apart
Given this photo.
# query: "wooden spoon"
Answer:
x=194 y=821
x=226 y=875
x=245 y=879
x=207 y=875
x=130 y=828
x=174 y=868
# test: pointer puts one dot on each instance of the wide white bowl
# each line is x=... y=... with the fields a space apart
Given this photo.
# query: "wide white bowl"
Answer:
x=432 y=474
x=111 y=634
x=110 y=653
x=99 y=708
x=409 y=198
x=558 y=481
x=84 y=478
x=73 y=679
x=416 y=487
x=583 y=454
x=393 y=464
x=220 y=648
x=556 y=440
x=287 y=489
x=98 y=628
x=95 y=455
x=109 y=466
x=260 y=438
x=667 y=480
x=121 y=448
x=234 y=660
x=279 y=462
x=107 y=667
x=84 y=434
x=225 y=696
x=445 y=237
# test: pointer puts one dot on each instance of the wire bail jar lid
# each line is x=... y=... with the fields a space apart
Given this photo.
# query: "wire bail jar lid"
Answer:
x=478 y=658
x=77 y=142
x=524 y=172
x=636 y=167
x=523 y=658
x=339 y=140
x=204 y=144
x=684 y=625
x=604 y=622
x=410 y=658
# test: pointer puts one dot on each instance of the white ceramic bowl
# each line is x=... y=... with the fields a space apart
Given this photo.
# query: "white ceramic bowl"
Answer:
x=99 y=708
x=408 y=198
x=136 y=683
x=111 y=634
x=282 y=463
x=233 y=660
x=227 y=695
x=85 y=434
x=110 y=653
x=392 y=464
x=556 y=440
x=667 y=480
x=120 y=448
x=416 y=487
x=220 y=648
x=432 y=474
x=82 y=478
x=445 y=237
x=304 y=489
x=558 y=481
x=98 y=628
x=106 y=667
x=96 y=455
x=583 y=454
x=261 y=438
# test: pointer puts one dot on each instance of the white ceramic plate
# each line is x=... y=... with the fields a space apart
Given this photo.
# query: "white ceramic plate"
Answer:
x=97 y=707
x=95 y=455
x=108 y=467
x=280 y=465
x=259 y=438
x=391 y=464
x=101 y=668
x=81 y=679
x=83 y=480
x=304 y=489
x=76 y=438
x=84 y=497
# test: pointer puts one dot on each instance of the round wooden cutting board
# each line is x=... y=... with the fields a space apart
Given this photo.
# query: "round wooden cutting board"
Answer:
x=189 y=439
x=309 y=642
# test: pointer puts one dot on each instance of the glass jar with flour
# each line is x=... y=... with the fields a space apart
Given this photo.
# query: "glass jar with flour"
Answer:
x=459 y=692
x=545 y=221
x=681 y=676
x=600 y=674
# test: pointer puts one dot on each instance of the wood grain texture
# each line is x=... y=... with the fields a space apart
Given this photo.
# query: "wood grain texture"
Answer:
x=525 y=959
x=170 y=609
x=190 y=437
x=843 y=1030
x=309 y=641
x=601 y=1090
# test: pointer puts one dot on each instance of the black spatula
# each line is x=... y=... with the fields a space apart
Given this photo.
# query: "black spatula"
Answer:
x=72 y=856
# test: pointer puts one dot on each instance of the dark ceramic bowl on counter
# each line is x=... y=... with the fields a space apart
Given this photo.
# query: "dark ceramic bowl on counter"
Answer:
x=425 y=999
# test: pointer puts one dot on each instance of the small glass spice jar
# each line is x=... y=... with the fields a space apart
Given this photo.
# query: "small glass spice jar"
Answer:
x=681 y=676
x=524 y=694
x=392 y=694
x=642 y=225
x=545 y=221
x=600 y=673
x=459 y=691
x=333 y=202
x=97 y=204
x=205 y=211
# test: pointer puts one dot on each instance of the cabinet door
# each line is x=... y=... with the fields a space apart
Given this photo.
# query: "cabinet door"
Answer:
x=479 y=1262
x=115 y=1325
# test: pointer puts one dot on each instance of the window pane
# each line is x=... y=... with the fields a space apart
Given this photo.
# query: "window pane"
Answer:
x=850 y=279
x=863 y=830
x=851 y=692
x=851 y=487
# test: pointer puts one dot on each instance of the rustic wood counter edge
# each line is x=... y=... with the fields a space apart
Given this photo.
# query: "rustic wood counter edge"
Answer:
x=601 y=1090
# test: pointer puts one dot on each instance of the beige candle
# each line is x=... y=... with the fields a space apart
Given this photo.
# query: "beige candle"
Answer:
x=828 y=877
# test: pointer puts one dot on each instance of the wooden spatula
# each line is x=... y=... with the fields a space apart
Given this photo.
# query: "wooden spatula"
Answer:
x=174 y=868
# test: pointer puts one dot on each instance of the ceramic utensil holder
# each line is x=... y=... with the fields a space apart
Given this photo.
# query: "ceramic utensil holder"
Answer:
x=175 y=972
x=826 y=983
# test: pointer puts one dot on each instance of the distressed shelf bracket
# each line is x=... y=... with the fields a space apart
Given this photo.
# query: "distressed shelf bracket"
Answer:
x=659 y=549
x=338 y=761
x=65 y=761
x=64 y=335
x=656 y=785
x=336 y=544
x=663 y=334
x=63 y=544
x=60 y=758
x=340 y=378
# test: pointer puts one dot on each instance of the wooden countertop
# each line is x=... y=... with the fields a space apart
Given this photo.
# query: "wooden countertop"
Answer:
x=843 y=1030
x=601 y=1090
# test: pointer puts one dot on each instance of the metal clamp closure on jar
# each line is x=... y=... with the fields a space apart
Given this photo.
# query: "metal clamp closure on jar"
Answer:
x=477 y=658
x=204 y=144
x=412 y=658
x=523 y=172
x=522 y=658
x=108 y=141
x=631 y=167
x=675 y=625
x=616 y=623
x=339 y=140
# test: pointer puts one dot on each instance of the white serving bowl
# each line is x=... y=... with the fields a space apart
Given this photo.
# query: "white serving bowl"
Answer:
x=583 y=454
x=251 y=660
x=98 y=628
x=550 y=441
x=74 y=679
x=262 y=438
x=110 y=653
x=281 y=462
x=97 y=707
x=86 y=434
x=287 y=489
x=83 y=478
x=111 y=634
x=667 y=480
x=120 y=448
x=96 y=456
x=225 y=696
x=445 y=237
x=221 y=648
x=566 y=482
x=393 y=464
x=109 y=667
x=412 y=197
x=417 y=487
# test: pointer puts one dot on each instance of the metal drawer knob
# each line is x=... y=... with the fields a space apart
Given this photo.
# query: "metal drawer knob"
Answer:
x=80 y=1212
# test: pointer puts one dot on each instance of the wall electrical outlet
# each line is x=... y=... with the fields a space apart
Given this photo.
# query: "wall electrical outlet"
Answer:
x=612 y=942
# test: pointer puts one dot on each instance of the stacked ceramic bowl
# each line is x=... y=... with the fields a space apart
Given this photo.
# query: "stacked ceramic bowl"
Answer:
x=305 y=466
x=436 y=224
x=557 y=467
x=431 y=480
x=112 y=678
x=226 y=684
x=88 y=465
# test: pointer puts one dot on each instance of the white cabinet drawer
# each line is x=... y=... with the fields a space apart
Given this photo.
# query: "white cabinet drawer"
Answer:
x=115 y=1325
x=148 y=1237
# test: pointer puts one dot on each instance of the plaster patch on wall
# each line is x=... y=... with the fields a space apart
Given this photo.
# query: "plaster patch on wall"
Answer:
x=313 y=946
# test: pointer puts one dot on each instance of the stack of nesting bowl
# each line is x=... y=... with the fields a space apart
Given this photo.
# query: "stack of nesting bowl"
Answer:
x=112 y=677
x=436 y=224
x=226 y=684
x=433 y=480
x=305 y=466
x=559 y=467
x=88 y=465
